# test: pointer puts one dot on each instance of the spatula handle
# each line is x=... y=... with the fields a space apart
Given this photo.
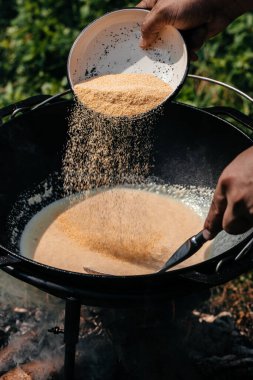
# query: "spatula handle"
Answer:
x=186 y=250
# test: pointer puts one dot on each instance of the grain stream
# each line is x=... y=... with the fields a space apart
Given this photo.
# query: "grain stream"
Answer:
x=105 y=151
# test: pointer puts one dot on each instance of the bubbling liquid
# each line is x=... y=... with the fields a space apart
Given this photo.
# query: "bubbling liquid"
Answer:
x=120 y=231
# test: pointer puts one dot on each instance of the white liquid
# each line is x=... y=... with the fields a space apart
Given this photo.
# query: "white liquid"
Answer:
x=121 y=231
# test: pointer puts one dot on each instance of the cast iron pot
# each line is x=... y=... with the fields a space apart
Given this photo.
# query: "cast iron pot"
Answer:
x=188 y=140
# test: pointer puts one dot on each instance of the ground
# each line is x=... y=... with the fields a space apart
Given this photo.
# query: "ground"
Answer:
x=210 y=337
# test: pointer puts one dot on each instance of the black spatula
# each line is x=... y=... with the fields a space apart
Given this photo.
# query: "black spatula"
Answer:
x=186 y=250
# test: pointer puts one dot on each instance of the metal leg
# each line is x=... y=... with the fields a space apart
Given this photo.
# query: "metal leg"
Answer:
x=71 y=332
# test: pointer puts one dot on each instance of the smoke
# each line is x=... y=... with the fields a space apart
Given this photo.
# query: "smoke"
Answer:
x=26 y=315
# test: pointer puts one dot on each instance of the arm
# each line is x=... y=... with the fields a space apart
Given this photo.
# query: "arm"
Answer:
x=232 y=205
x=198 y=19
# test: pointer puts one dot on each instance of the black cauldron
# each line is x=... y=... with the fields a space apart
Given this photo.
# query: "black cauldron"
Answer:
x=188 y=140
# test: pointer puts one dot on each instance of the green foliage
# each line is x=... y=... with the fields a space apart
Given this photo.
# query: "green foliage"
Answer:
x=36 y=36
x=228 y=58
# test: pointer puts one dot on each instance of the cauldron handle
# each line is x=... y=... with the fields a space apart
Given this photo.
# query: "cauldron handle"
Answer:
x=227 y=273
x=225 y=267
x=7 y=258
x=51 y=98
x=23 y=104
x=29 y=104
x=245 y=120
x=228 y=111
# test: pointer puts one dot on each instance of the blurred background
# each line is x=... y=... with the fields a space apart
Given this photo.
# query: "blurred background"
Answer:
x=36 y=36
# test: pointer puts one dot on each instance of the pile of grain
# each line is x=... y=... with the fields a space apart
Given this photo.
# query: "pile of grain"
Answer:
x=122 y=94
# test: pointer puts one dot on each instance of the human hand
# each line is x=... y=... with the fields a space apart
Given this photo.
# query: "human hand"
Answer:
x=232 y=205
x=198 y=19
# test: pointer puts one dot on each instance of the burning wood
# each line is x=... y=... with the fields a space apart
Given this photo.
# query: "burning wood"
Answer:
x=16 y=374
x=36 y=370
x=16 y=359
x=17 y=349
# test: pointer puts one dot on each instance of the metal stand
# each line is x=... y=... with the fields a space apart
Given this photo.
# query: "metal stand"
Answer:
x=71 y=332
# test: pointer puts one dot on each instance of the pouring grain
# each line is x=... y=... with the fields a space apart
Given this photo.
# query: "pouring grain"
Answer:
x=105 y=151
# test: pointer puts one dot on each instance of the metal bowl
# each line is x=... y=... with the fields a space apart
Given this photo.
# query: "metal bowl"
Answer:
x=110 y=45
